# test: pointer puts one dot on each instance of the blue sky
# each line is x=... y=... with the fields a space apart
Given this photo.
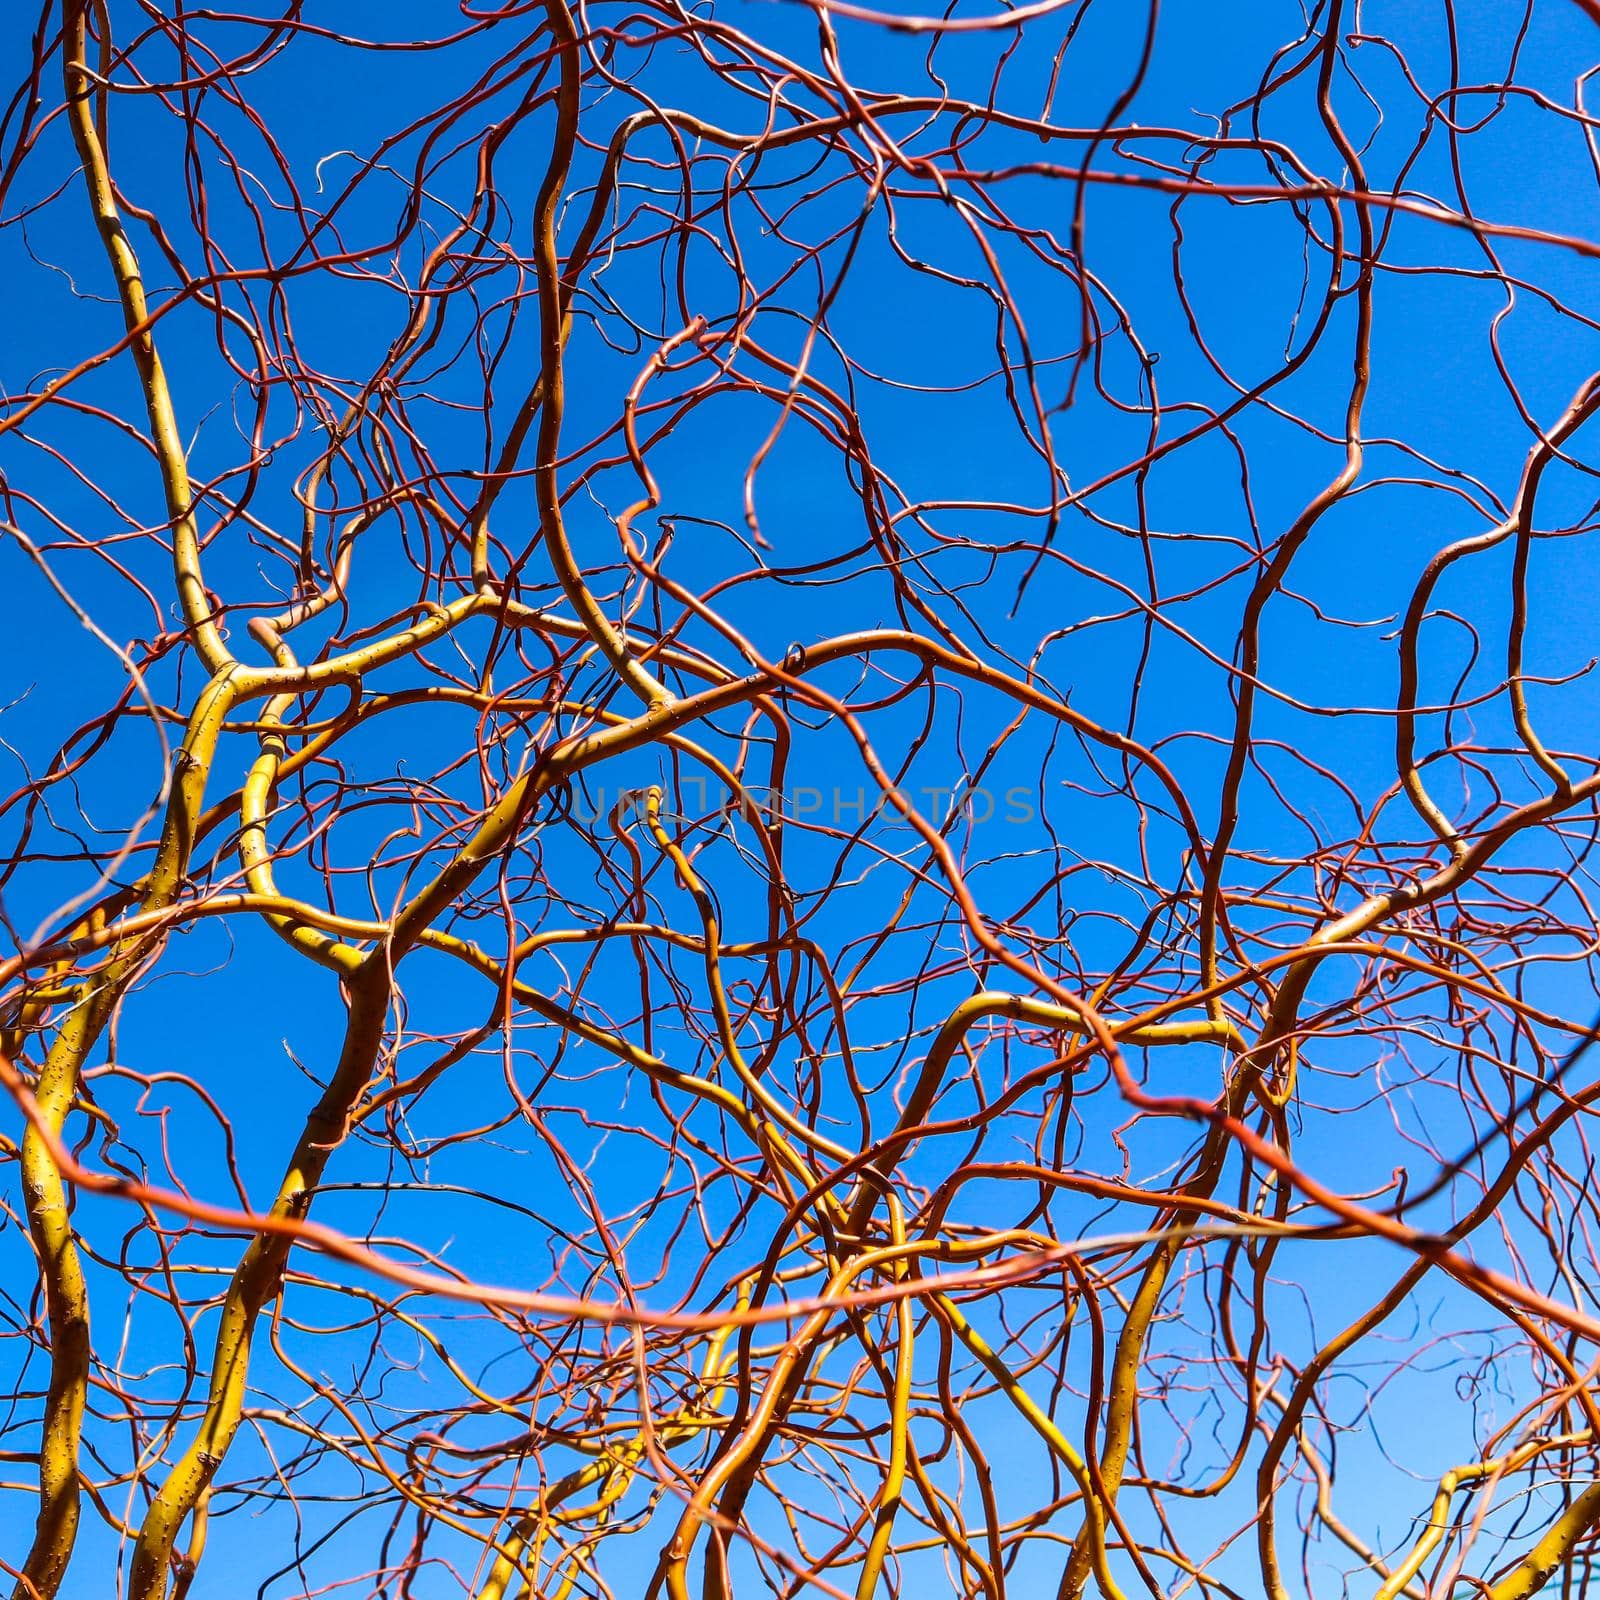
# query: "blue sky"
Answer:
x=230 y=1007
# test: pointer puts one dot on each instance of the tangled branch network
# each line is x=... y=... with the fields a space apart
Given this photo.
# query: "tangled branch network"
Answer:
x=799 y=799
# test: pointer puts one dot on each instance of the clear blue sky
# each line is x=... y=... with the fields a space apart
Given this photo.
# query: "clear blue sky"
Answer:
x=1252 y=285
